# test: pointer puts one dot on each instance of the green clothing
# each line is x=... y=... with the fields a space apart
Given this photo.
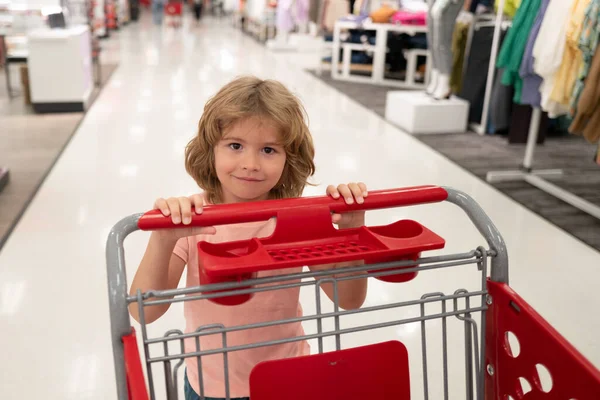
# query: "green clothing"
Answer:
x=513 y=47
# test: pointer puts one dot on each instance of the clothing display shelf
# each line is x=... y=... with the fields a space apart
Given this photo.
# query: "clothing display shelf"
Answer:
x=16 y=20
x=379 y=52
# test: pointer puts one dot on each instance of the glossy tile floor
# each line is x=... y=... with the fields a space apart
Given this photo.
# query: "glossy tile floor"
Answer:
x=54 y=320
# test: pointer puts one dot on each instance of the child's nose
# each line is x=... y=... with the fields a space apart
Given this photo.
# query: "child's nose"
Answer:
x=251 y=162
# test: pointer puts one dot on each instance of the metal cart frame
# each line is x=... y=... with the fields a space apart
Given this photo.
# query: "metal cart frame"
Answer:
x=490 y=369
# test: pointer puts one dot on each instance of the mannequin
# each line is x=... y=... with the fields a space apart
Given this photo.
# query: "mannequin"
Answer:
x=440 y=24
x=434 y=72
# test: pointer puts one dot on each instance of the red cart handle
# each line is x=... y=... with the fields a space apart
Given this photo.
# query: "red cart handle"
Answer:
x=224 y=214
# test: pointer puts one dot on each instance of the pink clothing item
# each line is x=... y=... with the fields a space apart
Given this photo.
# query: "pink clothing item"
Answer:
x=287 y=18
x=302 y=9
x=409 y=18
x=263 y=307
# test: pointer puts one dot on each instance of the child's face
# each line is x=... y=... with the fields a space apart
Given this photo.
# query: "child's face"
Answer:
x=249 y=161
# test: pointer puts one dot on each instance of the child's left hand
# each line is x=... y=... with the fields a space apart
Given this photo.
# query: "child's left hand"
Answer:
x=351 y=192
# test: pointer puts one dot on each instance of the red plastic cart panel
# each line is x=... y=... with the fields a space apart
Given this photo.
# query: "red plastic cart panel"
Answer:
x=378 y=371
x=540 y=347
x=136 y=383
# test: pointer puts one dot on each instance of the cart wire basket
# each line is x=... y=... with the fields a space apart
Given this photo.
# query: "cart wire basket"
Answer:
x=509 y=353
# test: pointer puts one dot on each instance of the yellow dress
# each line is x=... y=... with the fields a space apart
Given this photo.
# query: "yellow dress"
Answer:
x=572 y=57
x=510 y=7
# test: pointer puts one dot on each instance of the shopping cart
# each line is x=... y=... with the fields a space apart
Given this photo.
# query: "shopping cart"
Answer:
x=174 y=13
x=540 y=365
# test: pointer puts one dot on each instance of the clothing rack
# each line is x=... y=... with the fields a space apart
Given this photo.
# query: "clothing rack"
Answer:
x=538 y=178
x=526 y=173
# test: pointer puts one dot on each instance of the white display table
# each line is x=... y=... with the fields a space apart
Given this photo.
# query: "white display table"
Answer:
x=60 y=69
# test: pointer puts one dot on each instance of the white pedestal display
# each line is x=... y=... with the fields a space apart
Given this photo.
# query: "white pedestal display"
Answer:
x=416 y=112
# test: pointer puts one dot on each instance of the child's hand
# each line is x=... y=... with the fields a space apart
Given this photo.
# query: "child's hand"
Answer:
x=351 y=193
x=180 y=211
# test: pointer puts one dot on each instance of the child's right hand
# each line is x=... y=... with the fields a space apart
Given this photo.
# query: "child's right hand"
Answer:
x=180 y=211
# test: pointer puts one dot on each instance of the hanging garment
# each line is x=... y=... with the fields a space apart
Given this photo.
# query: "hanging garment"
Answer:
x=548 y=52
x=285 y=19
x=520 y=120
x=587 y=120
x=478 y=62
x=459 y=47
x=302 y=9
x=572 y=57
x=588 y=43
x=530 y=93
x=501 y=104
x=511 y=54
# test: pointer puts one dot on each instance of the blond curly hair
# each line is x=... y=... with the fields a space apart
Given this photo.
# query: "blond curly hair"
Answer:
x=247 y=97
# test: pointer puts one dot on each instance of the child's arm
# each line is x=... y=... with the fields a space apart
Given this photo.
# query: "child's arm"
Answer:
x=351 y=293
x=160 y=269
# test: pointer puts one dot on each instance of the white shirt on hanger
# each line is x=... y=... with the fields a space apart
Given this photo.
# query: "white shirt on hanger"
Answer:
x=548 y=52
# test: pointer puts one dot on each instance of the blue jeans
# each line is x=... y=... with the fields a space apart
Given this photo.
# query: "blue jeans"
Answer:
x=190 y=394
x=158 y=9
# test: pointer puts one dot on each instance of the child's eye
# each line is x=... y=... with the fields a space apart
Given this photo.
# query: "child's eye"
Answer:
x=269 y=150
x=235 y=146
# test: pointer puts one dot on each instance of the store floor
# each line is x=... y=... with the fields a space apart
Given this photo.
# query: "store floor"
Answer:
x=129 y=150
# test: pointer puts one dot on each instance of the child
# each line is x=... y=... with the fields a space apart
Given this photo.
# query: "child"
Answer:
x=252 y=144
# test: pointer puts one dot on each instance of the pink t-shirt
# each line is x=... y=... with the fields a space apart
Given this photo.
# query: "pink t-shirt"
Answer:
x=263 y=307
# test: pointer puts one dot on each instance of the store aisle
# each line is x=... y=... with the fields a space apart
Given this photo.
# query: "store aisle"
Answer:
x=54 y=321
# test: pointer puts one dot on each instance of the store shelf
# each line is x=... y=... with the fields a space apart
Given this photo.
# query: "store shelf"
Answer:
x=379 y=50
